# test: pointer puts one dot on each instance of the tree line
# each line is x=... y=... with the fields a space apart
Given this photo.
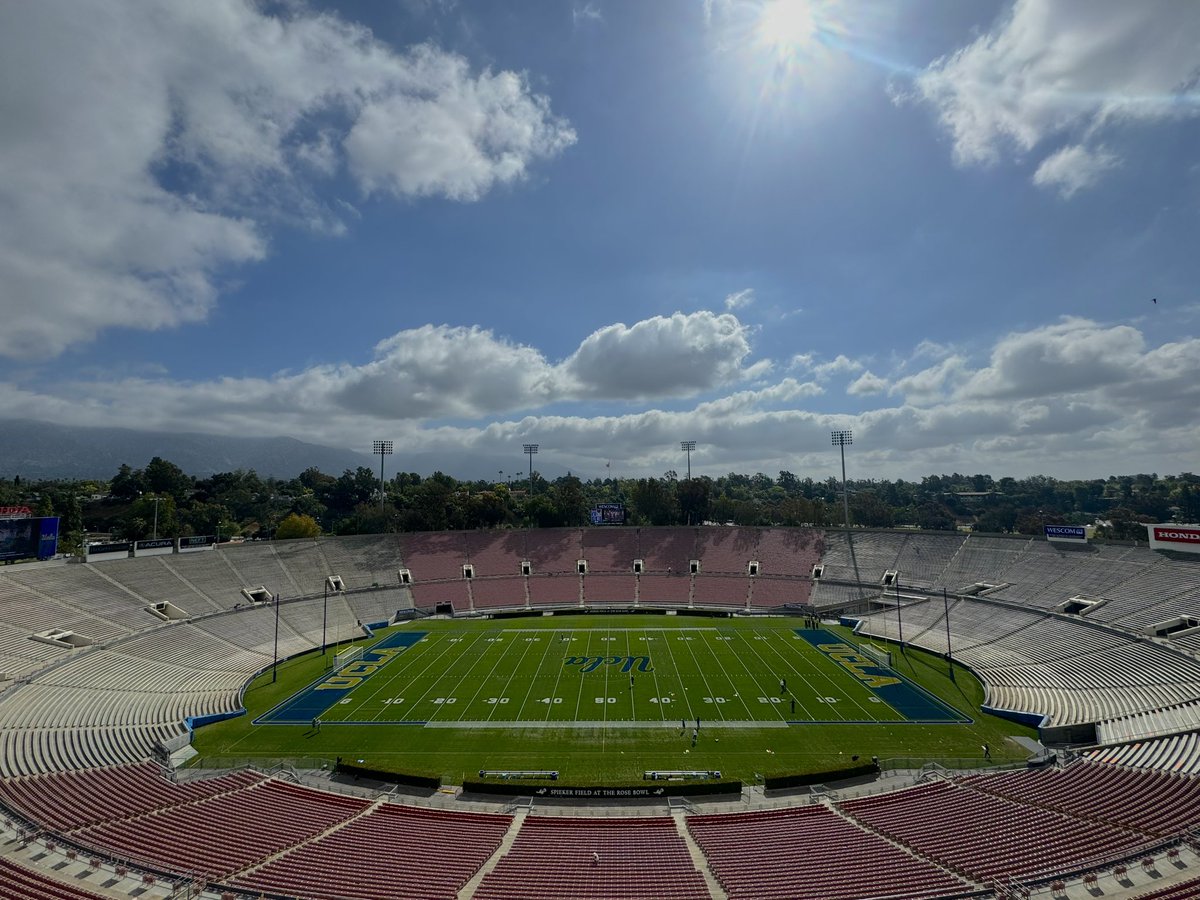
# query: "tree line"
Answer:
x=162 y=499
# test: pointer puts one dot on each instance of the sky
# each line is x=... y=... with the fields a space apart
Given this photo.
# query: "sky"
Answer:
x=964 y=230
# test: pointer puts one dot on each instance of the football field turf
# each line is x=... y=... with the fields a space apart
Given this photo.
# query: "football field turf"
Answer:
x=661 y=673
x=447 y=697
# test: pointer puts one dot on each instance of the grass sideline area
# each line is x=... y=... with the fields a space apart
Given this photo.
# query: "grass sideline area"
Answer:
x=602 y=698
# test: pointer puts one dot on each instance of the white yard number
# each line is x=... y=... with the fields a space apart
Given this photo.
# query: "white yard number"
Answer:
x=446 y=700
x=606 y=699
x=388 y=701
x=495 y=700
x=769 y=700
x=714 y=699
x=549 y=700
x=660 y=699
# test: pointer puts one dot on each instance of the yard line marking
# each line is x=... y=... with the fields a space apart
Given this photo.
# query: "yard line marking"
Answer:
x=482 y=683
x=504 y=690
x=654 y=672
x=738 y=693
x=587 y=651
x=534 y=678
x=388 y=683
x=707 y=687
x=483 y=635
x=758 y=683
x=372 y=689
x=809 y=669
x=848 y=688
x=557 y=679
x=605 y=704
x=684 y=699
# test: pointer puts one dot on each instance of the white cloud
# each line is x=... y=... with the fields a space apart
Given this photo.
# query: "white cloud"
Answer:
x=128 y=191
x=452 y=134
x=931 y=384
x=1072 y=169
x=585 y=12
x=1070 y=356
x=823 y=371
x=739 y=299
x=662 y=356
x=1055 y=69
x=1074 y=398
x=867 y=383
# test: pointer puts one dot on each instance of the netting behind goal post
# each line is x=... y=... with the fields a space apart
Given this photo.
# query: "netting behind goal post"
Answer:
x=347 y=656
x=881 y=657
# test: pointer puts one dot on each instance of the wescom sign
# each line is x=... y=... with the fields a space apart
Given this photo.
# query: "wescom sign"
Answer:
x=1175 y=537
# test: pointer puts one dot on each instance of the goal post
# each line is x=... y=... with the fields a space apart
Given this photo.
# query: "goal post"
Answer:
x=349 y=655
x=882 y=657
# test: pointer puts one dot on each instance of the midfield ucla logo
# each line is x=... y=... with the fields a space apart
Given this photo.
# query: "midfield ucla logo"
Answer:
x=592 y=663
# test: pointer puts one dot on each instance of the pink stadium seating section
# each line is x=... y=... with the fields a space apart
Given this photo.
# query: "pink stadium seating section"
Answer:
x=595 y=859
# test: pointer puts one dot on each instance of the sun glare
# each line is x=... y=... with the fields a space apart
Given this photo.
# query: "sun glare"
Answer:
x=788 y=26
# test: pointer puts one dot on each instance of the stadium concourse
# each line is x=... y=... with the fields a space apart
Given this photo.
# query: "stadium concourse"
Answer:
x=104 y=662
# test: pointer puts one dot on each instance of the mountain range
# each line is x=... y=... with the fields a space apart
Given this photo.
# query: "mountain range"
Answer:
x=41 y=450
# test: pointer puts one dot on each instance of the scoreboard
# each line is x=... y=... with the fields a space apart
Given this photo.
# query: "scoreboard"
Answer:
x=28 y=538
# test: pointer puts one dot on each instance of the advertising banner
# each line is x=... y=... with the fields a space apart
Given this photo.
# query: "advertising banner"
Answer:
x=156 y=547
x=1073 y=533
x=196 y=542
x=1183 y=538
x=117 y=548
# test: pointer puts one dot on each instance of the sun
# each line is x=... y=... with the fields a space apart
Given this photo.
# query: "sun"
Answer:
x=788 y=27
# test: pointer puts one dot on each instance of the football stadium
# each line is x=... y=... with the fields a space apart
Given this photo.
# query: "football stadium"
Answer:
x=624 y=712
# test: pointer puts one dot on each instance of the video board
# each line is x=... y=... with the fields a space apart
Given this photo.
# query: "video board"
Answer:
x=29 y=538
x=607 y=514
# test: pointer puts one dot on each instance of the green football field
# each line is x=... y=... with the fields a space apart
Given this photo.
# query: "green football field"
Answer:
x=605 y=697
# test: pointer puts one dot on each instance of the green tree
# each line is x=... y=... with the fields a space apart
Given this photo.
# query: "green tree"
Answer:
x=693 y=497
x=297 y=526
x=163 y=477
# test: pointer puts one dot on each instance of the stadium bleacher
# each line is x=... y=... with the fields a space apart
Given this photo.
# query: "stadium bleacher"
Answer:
x=87 y=714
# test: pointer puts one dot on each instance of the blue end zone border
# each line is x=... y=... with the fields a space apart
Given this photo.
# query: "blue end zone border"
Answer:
x=912 y=701
x=307 y=704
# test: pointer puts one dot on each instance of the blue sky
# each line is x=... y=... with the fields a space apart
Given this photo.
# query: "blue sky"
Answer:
x=610 y=226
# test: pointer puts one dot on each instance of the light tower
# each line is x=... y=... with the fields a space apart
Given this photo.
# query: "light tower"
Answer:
x=688 y=446
x=383 y=448
x=841 y=439
x=530 y=449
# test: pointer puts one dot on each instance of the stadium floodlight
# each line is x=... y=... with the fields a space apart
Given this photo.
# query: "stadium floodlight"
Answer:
x=842 y=439
x=383 y=448
x=530 y=449
x=688 y=446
